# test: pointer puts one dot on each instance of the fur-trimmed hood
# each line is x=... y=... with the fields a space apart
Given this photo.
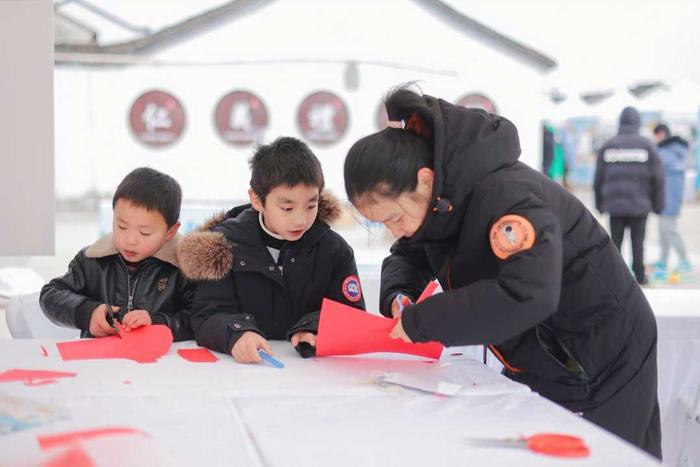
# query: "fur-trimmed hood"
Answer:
x=104 y=246
x=207 y=254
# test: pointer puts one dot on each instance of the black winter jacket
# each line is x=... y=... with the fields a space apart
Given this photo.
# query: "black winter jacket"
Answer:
x=629 y=178
x=98 y=274
x=240 y=287
x=565 y=316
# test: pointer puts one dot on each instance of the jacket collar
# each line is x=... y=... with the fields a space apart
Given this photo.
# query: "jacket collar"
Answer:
x=244 y=231
x=469 y=145
x=104 y=247
x=673 y=140
x=208 y=253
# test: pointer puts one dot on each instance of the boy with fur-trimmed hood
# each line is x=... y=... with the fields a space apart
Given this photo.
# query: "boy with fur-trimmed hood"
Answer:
x=264 y=268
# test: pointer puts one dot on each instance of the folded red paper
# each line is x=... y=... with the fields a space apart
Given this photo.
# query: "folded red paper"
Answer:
x=144 y=345
x=344 y=330
x=428 y=291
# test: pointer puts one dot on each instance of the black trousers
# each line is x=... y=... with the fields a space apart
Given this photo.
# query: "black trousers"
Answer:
x=637 y=226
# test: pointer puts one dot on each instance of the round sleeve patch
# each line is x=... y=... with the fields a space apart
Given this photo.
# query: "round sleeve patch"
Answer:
x=351 y=288
x=511 y=234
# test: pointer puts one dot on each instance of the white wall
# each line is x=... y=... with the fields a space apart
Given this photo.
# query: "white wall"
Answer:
x=26 y=128
x=95 y=148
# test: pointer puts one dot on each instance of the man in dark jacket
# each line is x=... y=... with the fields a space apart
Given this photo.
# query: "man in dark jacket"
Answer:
x=263 y=269
x=132 y=272
x=526 y=268
x=629 y=183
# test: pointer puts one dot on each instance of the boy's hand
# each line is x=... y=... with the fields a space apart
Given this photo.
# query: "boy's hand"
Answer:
x=399 y=333
x=246 y=348
x=303 y=336
x=136 y=318
x=398 y=304
x=99 y=327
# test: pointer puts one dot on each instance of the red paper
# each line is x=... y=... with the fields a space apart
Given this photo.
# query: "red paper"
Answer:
x=44 y=352
x=197 y=355
x=143 y=345
x=344 y=330
x=428 y=291
x=47 y=442
x=75 y=456
x=33 y=377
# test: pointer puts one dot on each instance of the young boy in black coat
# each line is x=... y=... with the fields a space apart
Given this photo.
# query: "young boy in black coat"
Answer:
x=263 y=269
x=133 y=270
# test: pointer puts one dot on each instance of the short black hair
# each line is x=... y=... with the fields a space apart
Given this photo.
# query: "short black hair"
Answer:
x=662 y=128
x=153 y=190
x=387 y=162
x=285 y=161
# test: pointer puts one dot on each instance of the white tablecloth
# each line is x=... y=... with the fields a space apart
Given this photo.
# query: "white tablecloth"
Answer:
x=326 y=411
x=678 y=320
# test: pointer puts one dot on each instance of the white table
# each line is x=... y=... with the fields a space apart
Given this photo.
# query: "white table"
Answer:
x=678 y=320
x=324 y=411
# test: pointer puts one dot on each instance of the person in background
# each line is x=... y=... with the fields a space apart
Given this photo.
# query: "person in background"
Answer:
x=673 y=151
x=628 y=185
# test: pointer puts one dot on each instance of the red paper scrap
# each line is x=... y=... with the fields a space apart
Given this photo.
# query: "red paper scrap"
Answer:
x=75 y=456
x=44 y=352
x=143 y=345
x=47 y=442
x=33 y=377
x=197 y=355
x=344 y=330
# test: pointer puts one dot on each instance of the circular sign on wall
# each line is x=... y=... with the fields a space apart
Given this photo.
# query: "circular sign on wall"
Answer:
x=478 y=101
x=241 y=118
x=322 y=118
x=157 y=119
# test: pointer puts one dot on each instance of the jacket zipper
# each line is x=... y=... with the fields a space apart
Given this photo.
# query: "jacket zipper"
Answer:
x=131 y=293
x=130 y=304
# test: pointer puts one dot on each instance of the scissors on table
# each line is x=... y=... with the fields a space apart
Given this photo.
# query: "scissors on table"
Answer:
x=552 y=444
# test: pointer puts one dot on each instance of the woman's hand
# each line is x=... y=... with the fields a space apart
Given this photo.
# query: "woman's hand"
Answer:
x=398 y=304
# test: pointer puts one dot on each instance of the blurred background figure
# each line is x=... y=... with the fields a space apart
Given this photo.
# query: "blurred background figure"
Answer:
x=673 y=152
x=628 y=185
x=554 y=157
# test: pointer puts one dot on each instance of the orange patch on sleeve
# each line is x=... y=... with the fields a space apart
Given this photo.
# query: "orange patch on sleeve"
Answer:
x=511 y=234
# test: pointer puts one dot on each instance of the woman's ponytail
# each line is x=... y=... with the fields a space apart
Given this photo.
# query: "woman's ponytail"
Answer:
x=405 y=105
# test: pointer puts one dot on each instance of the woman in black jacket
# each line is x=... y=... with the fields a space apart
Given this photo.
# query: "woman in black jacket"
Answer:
x=526 y=269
